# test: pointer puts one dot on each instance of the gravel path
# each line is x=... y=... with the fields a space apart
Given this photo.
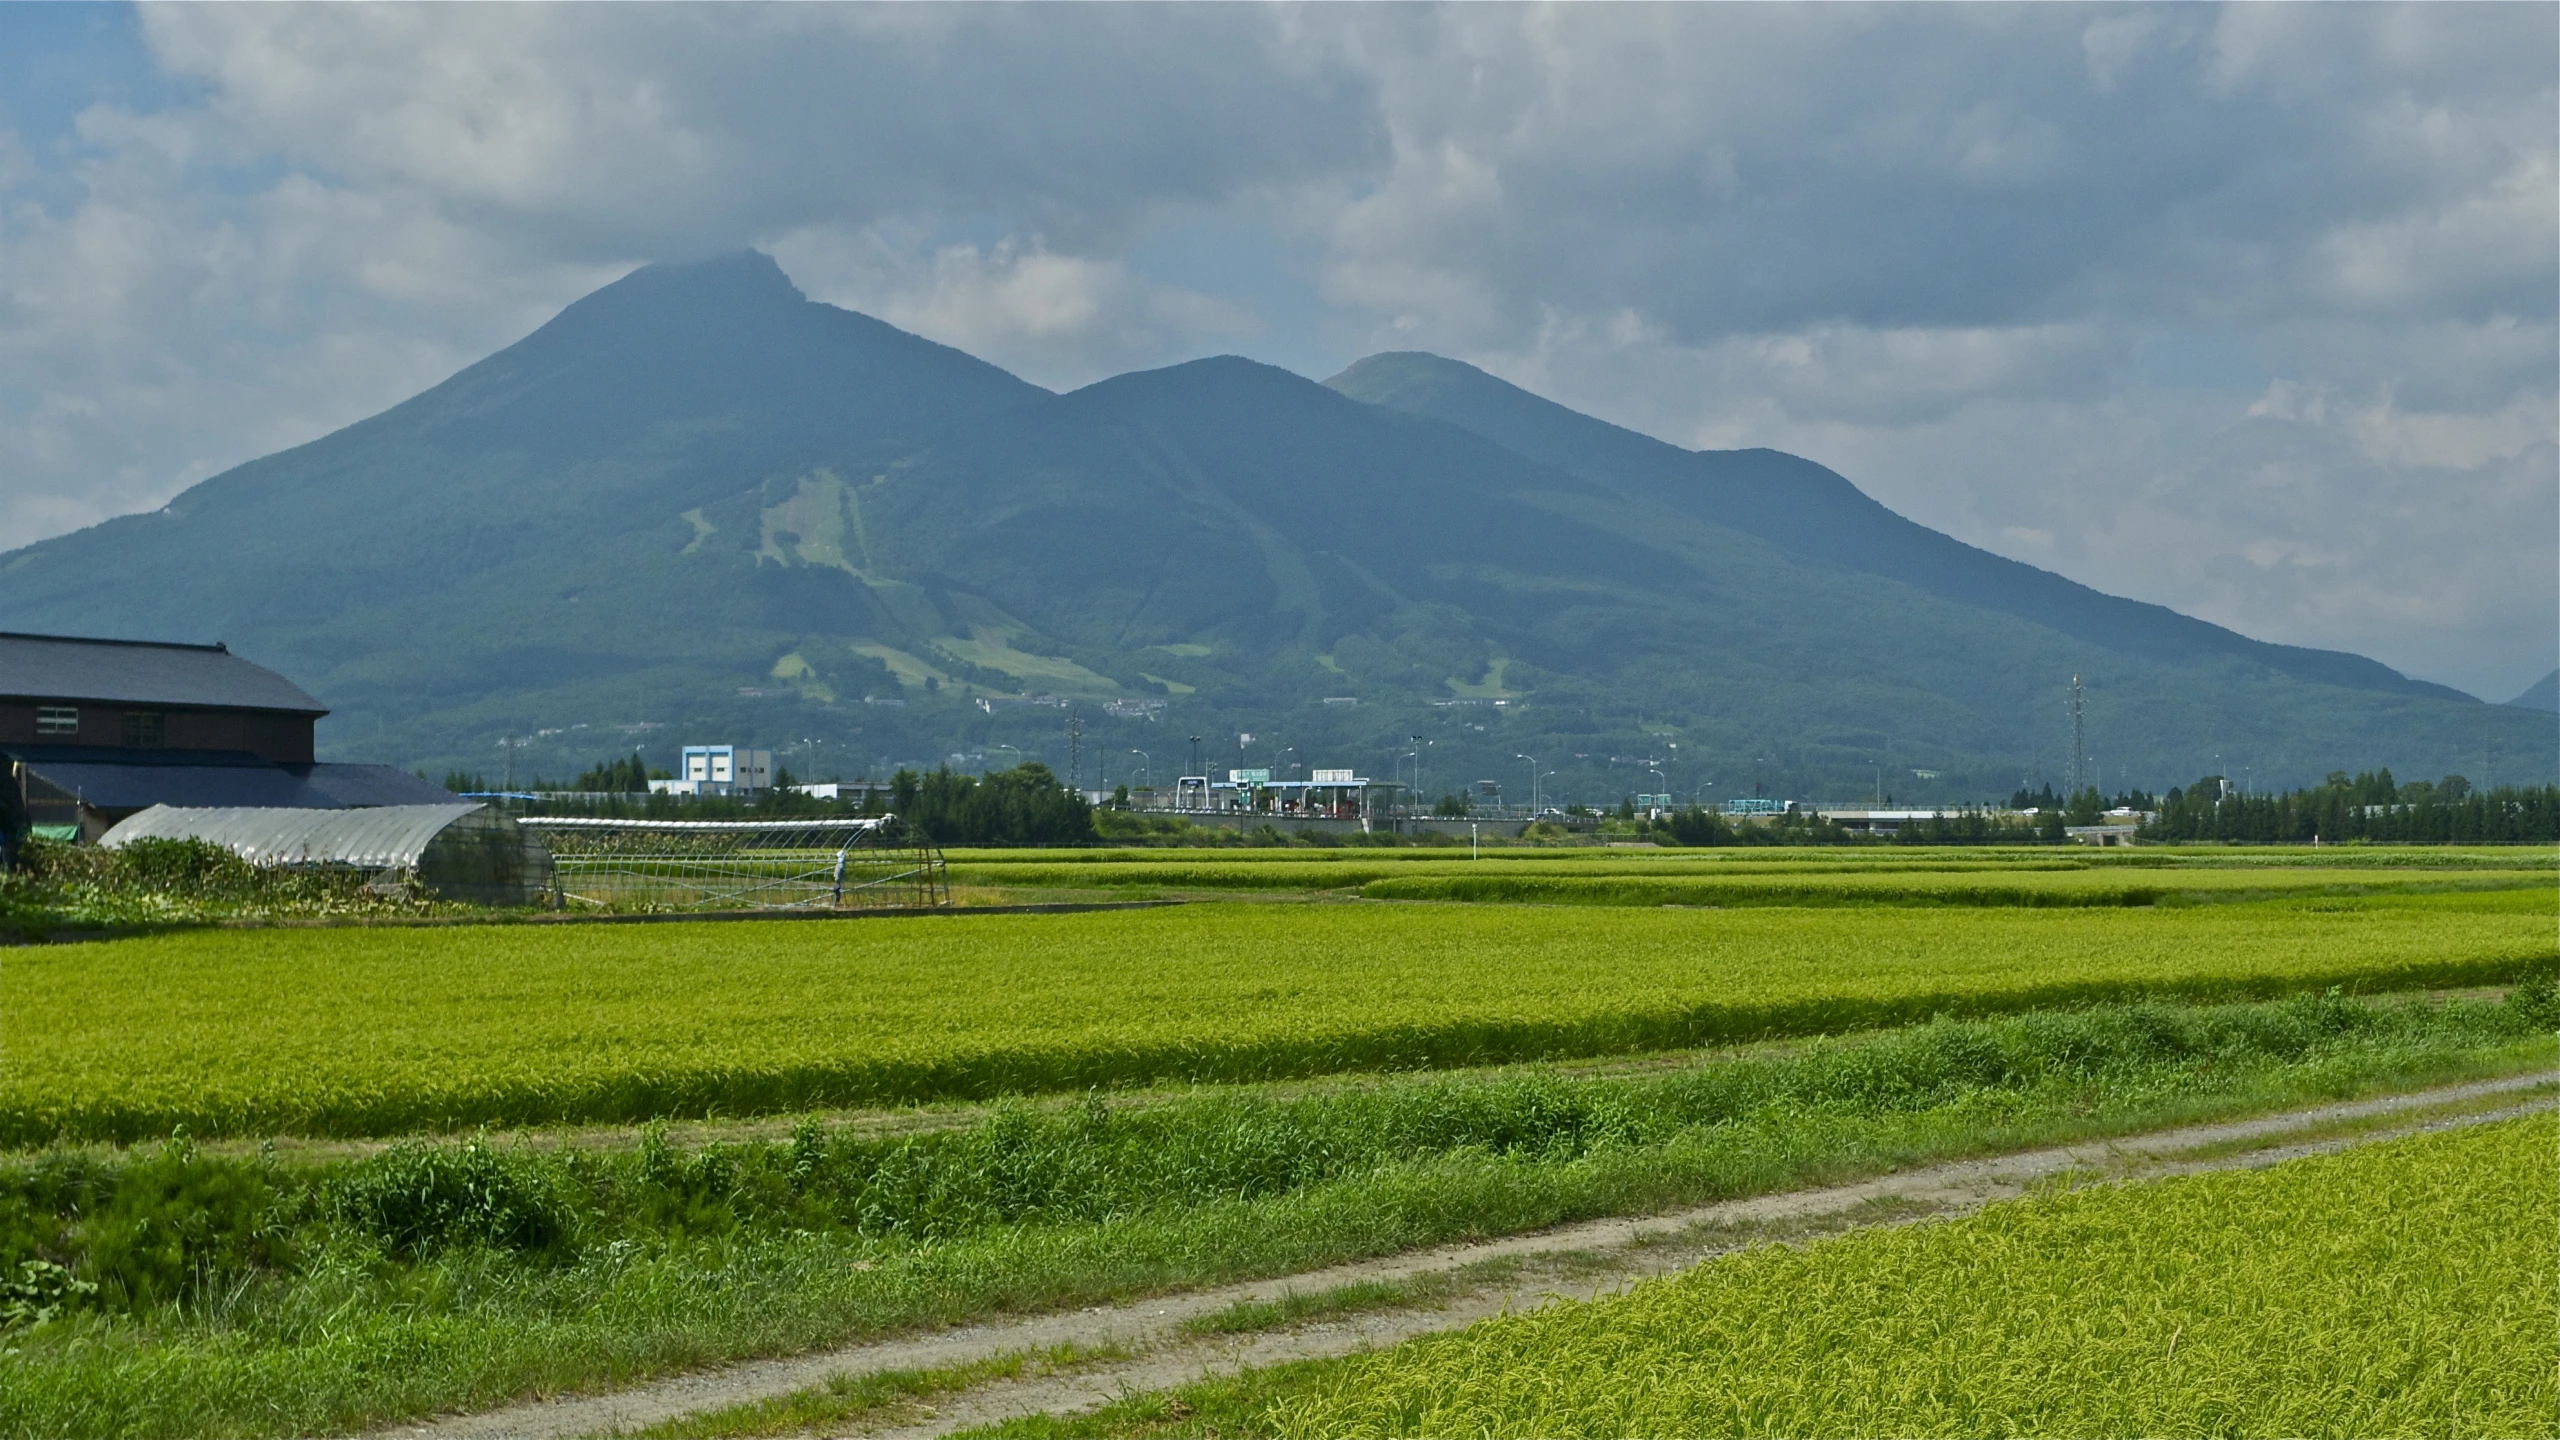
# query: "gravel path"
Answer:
x=1578 y=1260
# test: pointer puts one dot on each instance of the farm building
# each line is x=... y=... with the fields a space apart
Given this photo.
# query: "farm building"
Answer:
x=94 y=731
x=457 y=851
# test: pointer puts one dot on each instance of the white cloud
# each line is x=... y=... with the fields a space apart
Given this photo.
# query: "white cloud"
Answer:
x=1058 y=320
x=1938 y=248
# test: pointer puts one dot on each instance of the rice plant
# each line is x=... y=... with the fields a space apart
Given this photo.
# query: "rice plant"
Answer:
x=2399 y=1288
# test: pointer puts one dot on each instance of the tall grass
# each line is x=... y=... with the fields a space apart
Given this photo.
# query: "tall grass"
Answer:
x=163 y=882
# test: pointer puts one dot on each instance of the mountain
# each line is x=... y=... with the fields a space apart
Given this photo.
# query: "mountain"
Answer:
x=2542 y=694
x=1813 y=512
x=697 y=506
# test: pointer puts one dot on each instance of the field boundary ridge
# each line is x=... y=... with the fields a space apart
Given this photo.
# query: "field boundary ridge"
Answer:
x=452 y=922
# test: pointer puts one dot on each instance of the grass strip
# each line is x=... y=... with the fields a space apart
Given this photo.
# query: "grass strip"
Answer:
x=874 y=1397
x=381 y=1032
x=1297 y=1307
x=361 y=1312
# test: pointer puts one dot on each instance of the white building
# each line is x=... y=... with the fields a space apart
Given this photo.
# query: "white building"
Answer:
x=719 y=770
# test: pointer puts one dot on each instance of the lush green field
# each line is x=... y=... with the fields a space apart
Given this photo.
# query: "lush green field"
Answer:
x=2395 y=857
x=328 y=1289
x=2400 y=1288
x=1542 y=875
x=381 y=1031
x=1980 y=886
x=1360 y=864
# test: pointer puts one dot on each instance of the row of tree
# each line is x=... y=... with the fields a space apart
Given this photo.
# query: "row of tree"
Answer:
x=630 y=776
x=2087 y=802
x=2367 y=806
x=1695 y=826
x=1026 y=805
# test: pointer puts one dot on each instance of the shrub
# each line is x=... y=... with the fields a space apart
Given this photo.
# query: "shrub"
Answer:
x=177 y=1222
x=418 y=1199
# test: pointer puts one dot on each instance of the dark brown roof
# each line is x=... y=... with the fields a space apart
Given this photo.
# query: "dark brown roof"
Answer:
x=148 y=672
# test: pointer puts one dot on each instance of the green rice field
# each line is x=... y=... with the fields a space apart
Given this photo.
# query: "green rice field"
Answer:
x=1288 y=869
x=387 y=1030
x=1325 y=1056
x=2409 y=1287
x=1992 y=886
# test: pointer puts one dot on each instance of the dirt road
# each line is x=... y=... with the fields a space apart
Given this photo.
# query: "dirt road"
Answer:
x=1521 y=1272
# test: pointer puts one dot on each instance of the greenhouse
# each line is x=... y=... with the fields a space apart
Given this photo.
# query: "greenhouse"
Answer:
x=460 y=851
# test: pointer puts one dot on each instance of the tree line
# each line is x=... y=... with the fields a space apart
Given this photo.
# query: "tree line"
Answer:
x=2366 y=806
x=1026 y=805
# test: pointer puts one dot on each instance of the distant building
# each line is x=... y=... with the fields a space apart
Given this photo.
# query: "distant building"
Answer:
x=859 y=792
x=1759 y=805
x=719 y=770
x=1326 y=795
x=1881 y=821
x=94 y=731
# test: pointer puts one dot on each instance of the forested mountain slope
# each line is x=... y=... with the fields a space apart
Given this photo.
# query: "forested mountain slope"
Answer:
x=697 y=506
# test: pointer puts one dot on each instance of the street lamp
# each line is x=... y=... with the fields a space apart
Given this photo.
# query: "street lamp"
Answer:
x=1285 y=773
x=1663 y=780
x=1145 y=763
x=1416 y=757
x=1016 y=749
x=1195 y=755
x=1533 y=781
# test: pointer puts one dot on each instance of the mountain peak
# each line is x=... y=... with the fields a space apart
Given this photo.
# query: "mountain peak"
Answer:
x=748 y=278
x=741 y=289
x=727 y=340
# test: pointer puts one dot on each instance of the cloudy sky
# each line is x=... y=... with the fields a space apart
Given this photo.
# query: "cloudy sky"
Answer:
x=2249 y=311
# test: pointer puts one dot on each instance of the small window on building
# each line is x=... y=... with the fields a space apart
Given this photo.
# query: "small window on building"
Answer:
x=143 y=729
x=57 y=719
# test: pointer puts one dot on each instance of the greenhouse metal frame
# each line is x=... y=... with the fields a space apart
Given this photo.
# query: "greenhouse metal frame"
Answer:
x=870 y=863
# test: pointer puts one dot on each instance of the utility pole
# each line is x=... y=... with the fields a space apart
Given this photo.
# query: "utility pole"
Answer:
x=2079 y=752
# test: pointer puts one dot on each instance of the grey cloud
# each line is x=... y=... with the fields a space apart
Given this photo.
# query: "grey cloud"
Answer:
x=672 y=127
x=1732 y=169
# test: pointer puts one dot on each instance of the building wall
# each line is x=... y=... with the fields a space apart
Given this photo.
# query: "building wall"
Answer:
x=264 y=733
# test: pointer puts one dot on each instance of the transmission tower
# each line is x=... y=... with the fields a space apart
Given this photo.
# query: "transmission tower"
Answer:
x=2079 y=779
